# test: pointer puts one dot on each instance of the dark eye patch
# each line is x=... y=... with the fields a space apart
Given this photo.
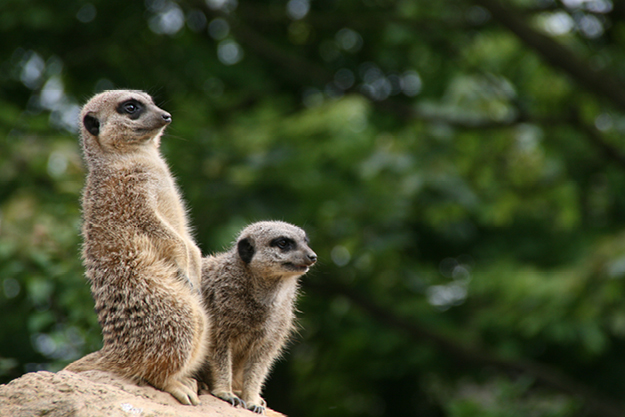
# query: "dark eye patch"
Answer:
x=285 y=244
x=133 y=108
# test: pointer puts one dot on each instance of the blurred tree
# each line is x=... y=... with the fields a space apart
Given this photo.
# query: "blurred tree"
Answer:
x=456 y=163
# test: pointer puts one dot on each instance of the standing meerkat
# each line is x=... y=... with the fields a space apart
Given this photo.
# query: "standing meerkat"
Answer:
x=250 y=294
x=142 y=263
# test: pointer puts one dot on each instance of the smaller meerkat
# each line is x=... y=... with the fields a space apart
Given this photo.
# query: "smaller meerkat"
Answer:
x=139 y=256
x=250 y=294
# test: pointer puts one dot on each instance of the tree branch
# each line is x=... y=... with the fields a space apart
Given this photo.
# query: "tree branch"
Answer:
x=303 y=72
x=595 y=138
x=557 y=55
x=475 y=356
x=257 y=13
x=297 y=69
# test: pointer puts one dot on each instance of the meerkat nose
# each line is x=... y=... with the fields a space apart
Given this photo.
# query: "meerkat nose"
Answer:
x=312 y=257
x=167 y=117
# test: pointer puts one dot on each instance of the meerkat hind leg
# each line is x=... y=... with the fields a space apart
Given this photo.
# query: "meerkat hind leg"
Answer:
x=190 y=383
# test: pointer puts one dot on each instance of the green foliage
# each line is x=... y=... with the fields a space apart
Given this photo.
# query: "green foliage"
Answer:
x=503 y=398
x=463 y=195
x=46 y=307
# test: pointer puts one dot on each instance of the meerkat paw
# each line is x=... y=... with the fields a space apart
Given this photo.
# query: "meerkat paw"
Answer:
x=185 y=392
x=190 y=383
x=183 y=277
x=258 y=406
x=229 y=397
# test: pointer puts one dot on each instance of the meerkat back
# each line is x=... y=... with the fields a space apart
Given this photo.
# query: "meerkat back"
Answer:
x=142 y=263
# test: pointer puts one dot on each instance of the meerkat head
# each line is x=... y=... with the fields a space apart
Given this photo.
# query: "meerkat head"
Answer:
x=274 y=248
x=121 y=121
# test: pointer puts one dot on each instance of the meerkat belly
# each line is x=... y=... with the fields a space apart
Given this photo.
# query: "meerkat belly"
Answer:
x=247 y=343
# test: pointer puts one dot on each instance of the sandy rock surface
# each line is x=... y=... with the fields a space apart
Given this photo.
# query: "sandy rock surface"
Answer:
x=100 y=394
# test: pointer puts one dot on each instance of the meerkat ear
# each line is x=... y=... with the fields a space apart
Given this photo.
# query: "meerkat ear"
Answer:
x=91 y=124
x=246 y=250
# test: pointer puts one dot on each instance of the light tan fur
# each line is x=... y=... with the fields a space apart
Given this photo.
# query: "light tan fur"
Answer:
x=139 y=255
x=250 y=294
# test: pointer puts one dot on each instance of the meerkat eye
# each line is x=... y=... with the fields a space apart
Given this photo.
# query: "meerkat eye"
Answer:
x=284 y=243
x=131 y=107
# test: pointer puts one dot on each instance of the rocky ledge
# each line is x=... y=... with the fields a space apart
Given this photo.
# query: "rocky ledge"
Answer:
x=100 y=394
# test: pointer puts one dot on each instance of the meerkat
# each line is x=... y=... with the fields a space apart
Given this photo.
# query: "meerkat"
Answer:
x=140 y=258
x=250 y=294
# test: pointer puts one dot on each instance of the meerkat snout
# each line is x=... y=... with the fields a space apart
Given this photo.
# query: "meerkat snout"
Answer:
x=312 y=258
x=308 y=259
x=298 y=256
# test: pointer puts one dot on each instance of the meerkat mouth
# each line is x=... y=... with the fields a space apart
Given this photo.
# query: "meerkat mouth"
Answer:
x=293 y=267
x=140 y=131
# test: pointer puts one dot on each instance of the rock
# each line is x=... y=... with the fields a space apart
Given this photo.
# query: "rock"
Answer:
x=101 y=394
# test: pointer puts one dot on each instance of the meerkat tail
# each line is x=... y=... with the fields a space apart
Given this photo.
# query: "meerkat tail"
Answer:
x=90 y=362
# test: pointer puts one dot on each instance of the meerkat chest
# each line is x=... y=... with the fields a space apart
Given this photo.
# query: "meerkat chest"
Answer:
x=284 y=295
x=280 y=305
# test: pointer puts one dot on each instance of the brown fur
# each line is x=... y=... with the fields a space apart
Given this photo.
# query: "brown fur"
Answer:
x=250 y=295
x=142 y=263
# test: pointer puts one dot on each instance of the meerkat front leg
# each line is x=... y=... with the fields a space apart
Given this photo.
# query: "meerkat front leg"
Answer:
x=254 y=375
x=195 y=267
x=221 y=370
x=176 y=245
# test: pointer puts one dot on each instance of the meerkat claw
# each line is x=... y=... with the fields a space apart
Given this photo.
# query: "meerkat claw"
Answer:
x=231 y=398
x=258 y=409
